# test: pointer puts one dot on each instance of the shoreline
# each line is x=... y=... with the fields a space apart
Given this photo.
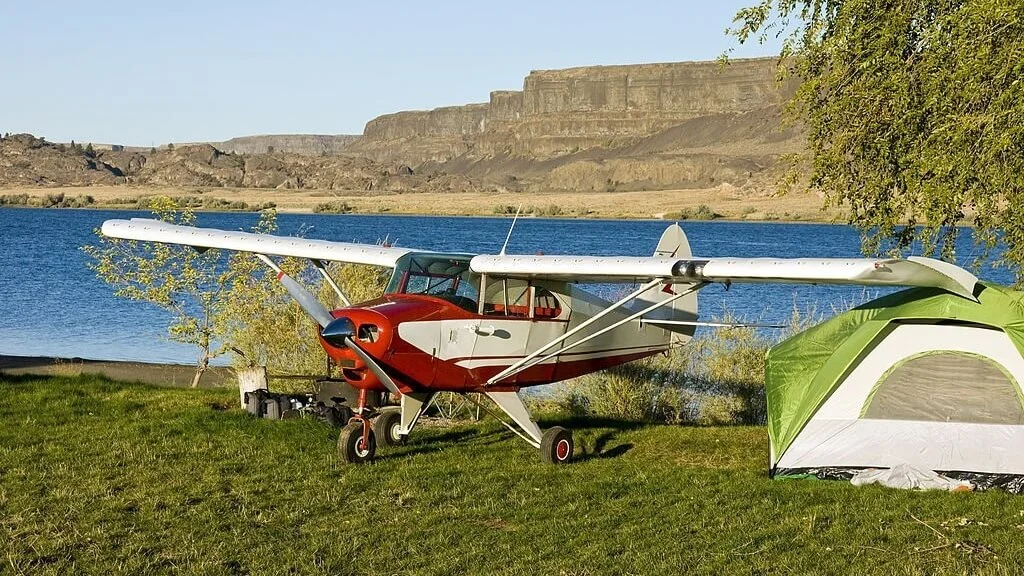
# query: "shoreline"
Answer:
x=154 y=373
x=726 y=202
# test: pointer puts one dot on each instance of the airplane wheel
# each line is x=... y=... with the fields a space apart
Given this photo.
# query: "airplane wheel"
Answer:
x=556 y=445
x=351 y=446
x=386 y=428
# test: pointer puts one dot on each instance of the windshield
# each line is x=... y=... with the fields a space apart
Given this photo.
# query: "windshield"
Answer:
x=446 y=277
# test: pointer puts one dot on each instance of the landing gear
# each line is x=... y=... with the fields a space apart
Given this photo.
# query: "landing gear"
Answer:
x=388 y=427
x=556 y=445
x=357 y=444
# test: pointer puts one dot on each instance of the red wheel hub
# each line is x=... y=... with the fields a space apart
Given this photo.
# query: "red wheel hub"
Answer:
x=562 y=449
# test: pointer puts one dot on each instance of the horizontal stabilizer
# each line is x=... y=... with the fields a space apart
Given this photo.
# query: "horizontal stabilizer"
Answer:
x=157 y=231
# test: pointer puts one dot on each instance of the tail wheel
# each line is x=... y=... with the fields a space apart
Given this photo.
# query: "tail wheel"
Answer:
x=353 y=447
x=387 y=427
x=556 y=445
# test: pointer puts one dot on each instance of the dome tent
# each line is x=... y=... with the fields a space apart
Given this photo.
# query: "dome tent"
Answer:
x=920 y=377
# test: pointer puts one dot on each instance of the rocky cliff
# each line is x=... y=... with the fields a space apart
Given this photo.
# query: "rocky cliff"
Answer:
x=685 y=124
x=306 y=144
x=563 y=111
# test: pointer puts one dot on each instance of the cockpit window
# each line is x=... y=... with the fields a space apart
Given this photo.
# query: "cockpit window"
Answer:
x=446 y=277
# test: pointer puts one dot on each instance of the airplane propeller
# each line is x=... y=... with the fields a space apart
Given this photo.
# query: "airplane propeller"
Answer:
x=336 y=331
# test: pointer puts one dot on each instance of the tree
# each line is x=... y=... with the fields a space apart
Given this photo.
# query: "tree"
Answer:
x=184 y=282
x=90 y=151
x=265 y=326
x=914 y=114
x=228 y=303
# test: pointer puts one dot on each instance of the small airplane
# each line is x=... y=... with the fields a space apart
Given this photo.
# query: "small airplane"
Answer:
x=495 y=324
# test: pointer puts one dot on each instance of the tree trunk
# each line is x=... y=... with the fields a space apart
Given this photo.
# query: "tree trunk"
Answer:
x=251 y=379
x=203 y=365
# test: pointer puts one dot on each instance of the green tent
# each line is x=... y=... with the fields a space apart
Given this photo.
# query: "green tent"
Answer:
x=920 y=377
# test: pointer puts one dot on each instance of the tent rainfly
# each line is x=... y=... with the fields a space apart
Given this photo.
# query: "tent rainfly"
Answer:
x=921 y=377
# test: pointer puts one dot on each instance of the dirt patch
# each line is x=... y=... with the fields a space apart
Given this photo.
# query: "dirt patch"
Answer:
x=175 y=375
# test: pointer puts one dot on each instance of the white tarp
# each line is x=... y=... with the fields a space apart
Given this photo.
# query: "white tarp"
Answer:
x=909 y=477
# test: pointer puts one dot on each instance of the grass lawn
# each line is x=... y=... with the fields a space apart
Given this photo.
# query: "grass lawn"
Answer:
x=105 y=477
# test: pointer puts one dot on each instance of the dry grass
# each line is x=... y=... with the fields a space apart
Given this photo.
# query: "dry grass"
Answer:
x=729 y=201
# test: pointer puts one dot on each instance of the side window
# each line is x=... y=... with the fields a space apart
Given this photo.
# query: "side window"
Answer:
x=545 y=304
x=512 y=298
x=507 y=297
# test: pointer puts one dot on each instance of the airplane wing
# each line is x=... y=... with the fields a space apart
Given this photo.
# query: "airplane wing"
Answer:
x=914 y=271
x=157 y=231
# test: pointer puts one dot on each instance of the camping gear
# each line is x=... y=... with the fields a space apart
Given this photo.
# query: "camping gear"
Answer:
x=920 y=377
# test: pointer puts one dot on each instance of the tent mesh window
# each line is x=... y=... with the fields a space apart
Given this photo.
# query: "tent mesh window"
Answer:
x=947 y=386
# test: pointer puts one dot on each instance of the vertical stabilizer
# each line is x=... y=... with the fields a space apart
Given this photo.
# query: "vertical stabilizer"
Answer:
x=673 y=244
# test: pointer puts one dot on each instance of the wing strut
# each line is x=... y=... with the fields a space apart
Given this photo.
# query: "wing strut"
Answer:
x=515 y=368
x=319 y=265
x=528 y=362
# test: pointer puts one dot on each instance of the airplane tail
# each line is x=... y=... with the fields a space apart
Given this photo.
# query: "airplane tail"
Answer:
x=673 y=244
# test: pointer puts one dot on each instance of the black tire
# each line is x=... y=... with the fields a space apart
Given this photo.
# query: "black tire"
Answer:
x=556 y=445
x=386 y=428
x=350 y=448
x=337 y=416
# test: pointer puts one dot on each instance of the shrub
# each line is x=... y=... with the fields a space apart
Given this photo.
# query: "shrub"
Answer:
x=14 y=200
x=718 y=378
x=333 y=208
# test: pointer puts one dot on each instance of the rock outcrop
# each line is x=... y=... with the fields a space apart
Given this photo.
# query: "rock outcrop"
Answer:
x=305 y=144
x=560 y=112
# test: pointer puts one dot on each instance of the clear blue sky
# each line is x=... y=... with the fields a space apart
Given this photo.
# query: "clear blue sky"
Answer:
x=143 y=73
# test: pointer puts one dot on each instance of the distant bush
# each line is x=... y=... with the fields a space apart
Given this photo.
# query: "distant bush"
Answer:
x=58 y=200
x=14 y=200
x=549 y=210
x=196 y=202
x=702 y=212
x=333 y=208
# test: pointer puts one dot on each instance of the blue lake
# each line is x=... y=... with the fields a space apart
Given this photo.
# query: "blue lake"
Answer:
x=52 y=305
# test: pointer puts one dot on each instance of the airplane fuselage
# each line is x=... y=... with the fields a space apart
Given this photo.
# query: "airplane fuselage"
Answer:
x=429 y=343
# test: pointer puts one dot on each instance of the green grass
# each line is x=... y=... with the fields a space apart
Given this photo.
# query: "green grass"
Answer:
x=104 y=477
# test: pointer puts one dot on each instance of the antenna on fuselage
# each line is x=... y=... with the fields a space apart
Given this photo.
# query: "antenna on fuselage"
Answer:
x=510 y=229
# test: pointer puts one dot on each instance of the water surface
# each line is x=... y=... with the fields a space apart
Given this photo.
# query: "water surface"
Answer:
x=54 y=306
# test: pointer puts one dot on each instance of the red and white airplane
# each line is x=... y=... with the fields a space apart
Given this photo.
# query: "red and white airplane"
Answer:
x=495 y=324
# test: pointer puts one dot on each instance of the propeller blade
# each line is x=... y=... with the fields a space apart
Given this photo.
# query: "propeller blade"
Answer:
x=306 y=301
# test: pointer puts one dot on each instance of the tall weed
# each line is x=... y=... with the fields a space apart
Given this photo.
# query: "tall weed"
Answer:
x=718 y=378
